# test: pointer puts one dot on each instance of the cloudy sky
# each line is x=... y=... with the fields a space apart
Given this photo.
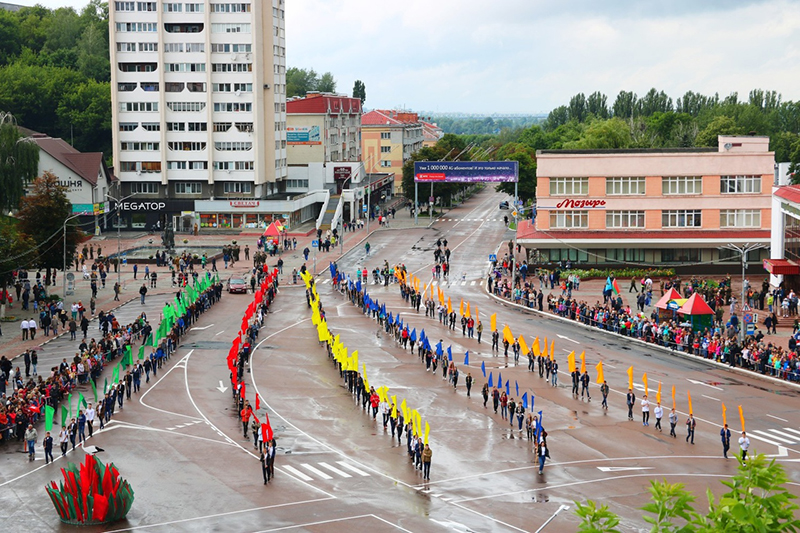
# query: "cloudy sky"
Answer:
x=528 y=56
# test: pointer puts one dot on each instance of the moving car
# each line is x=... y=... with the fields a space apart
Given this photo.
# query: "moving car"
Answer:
x=504 y=205
x=237 y=285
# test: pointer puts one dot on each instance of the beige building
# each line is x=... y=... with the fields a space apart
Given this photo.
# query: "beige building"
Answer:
x=388 y=138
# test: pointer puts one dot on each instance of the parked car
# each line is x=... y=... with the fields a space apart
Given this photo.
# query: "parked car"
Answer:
x=237 y=285
x=503 y=205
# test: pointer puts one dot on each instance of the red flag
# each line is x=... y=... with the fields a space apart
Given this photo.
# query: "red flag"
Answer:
x=266 y=432
x=100 y=507
x=258 y=402
x=243 y=393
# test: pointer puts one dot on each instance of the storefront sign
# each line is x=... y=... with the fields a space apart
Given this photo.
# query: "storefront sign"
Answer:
x=143 y=206
x=342 y=173
x=569 y=203
x=244 y=203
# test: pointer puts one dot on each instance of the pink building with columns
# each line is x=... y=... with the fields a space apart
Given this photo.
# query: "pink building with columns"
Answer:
x=652 y=207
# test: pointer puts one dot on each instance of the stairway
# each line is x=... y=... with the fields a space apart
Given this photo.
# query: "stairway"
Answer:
x=330 y=212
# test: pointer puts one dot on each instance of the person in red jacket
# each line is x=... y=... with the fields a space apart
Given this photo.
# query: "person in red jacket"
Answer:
x=247 y=411
x=374 y=401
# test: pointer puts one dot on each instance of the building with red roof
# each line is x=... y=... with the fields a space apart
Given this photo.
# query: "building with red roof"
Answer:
x=388 y=138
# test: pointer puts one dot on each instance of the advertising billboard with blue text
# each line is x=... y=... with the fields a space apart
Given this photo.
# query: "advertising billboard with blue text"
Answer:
x=466 y=171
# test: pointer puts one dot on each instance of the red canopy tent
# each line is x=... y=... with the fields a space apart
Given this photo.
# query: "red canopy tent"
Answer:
x=671 y=294
x=698 y=312
x=272 y=230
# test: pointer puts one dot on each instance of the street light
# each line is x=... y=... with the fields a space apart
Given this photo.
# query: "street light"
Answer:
x=64 y=277
x=560 y=508
x=119 y=237
x=743 y=251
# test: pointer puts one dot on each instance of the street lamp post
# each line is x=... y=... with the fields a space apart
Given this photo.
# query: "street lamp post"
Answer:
x=560 y=508
x=119 y=235
x=64 y=276
x=743 y=250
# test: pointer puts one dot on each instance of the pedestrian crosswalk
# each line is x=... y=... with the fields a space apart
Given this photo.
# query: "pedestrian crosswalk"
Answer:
x=324 y=471
x=778 y=437
x=469 y=219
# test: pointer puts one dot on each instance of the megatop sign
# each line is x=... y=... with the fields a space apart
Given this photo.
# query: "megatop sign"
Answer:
x=142 y=206
x=466 y=171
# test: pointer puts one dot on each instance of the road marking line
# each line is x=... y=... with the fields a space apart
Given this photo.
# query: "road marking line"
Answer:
x=710 y=398
x=789 y=435
x=351 y=468
x=472 y=283
x=171 y=429
x=778 y=418
x=220 y=333
x=754 y=434
x=297 y=473
x=333 y=469
x=623 y=468
x=701 y=383
x=201 y=329
x=320 y=473
x=793 y=431
x=332 y=520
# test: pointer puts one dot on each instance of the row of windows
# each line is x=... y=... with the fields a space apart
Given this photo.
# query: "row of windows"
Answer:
x=670 y=185
x=176 y=7
x=297 y=184
x=184 y=165
x=186 y=145
x=232 y=87
x=238 y=7
x=676 y=218
x=136 y=6
x=184 y=67
x=186 y=106
x=137 y=47
x=230 y=28
x=193 y=87
x=231 y=67
x=138 y=106
x=246 y=127
x=131 y=86
x=244 y=187
x=139 y=146
x=233 y=146
x=144 y=187
x=140 y=166
x=233 y=165
x=233 y=107
x=184 y=47
x=148 y=126
x=135 y=27
x=187 y=126
x=227 y=48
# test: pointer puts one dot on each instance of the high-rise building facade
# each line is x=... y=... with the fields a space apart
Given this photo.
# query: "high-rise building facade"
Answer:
x=198 y=92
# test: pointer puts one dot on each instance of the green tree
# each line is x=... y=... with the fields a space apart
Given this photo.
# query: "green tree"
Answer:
x=326 y=83
x=93 y=60
x=722 y=125
x=299 y=81
x=16 y=250
x=603 y=135
x=360 y=91
x=47 y=196
x=84 y=114
x=626 y=105
x=597 y=104
x=577 y=107
x=557 y=117
x=526 y=157
x=9 y=36
x=19 y=162
x=596 y=519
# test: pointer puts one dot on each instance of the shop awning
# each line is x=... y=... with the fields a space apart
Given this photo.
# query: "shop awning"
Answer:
x=778 y=267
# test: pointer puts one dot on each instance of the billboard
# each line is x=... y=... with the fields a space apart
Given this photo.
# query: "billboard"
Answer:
x=299 y=135
x=465 y=171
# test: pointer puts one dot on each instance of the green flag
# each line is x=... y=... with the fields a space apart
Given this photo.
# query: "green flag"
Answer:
x=94 y=389
x=64 y=414
x=141 y=352
x=216 y=278
x=49 y=412
x=69 y=402
x=128 y=358
x=81 y=400
x=115 y=377
x=105 y=386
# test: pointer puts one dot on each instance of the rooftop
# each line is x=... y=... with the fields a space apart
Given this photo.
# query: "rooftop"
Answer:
x=86 y=165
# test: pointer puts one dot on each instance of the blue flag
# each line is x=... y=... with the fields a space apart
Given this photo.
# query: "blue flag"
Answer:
x=539 y=426
x=466 y=358
x=427 y=344
x=499 y=380
x=413 y=335
x=525 y=400
x=491 y=383
x=483 y=368
x=400 y=321
x=449 y=354
x=383 y=309
x=358 y=286
x=332 y=268
x=422 y=334
x=508 y=392
x=517 y=385
x=390 y=319
x=532 y=400
x=439 y=350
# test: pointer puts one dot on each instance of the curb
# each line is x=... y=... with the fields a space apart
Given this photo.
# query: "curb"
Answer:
x=683 y=355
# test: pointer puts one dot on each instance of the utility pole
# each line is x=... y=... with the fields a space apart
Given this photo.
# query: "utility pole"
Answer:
x=743 y=251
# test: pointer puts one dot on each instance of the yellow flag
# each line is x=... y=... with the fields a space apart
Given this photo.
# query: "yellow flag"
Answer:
x=673 y=396
x=468 y=314
x=741 y=416
x=355 y=360
x=553 y=351
x=536 y=349
x=441 y=295
x=493 y=322
x=461 y=308
x=394 y=407
x=523 y=346
x=507 y=335
x=404 y=409
x=600 y=377
x=644 y=381
x=583 y=362
x=315 y=316
x=544 y=349
x=432 y=295
x=449 y=306
x=630 y=378
x=571 y=361
x=689 y=395
x=416 y=284
x=724 y=414
x=477 y=316
x=427 y=431
x=658 y=394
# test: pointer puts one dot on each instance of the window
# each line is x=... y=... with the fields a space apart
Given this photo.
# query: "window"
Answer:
x=386 y=135
x=183 y=28
x=147 y=6
x=126 y=47
x=128 y=126
x=125 y=6
x=184 y=67
x=386 y=163
x=296 y=184
x=569 y=219
x=198 y=165
x=148 y=86
x=740 y=218
x=176 y=165
x=243 y=165
x=244 y=187
x=233 y=146
x=233 y=107
x=624 y=186
x=151 y=126
x=221 y=87
x=684 y=255
x=176 y=126
x=220 y=127
x=625 y=255
x=195 y=8
x=173 y=47
x=138 y=106
x=231 y=67
x=230 y=8
x=227 y=48
x=197 y=126
x=196 y=87
x=151 y=166
x=243 y=87
x=186 y=145
x=230 y=28
x=624 y=219
x=740 y=184
x=682 y=185
x=245 y=127
x=174 y=87
x=138 y=146
x=223 y=165
x=188 y=187
x=173 y=7
x=186 y=106
x=148 y=47
x=144 y=187
x=126 y=87
x=569 y=186
x=729 y=255
x=196 y=47
x=138 y=67
x=384 y=149
x=681 y=218
x=129 y=27
x=127 y=166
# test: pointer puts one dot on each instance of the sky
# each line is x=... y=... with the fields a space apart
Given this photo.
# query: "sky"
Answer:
x=530 y=56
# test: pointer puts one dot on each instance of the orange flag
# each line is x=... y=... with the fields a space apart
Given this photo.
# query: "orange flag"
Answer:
x=544 y=349
x=583 y=362
x=432 y=295
x=658 y=394
x=507 y=335
x=468 y=314
x=493 y=322
x=630 y=378
x=741 y=416
x=537 y=350
x=441 y=295
x=553 y=351
x=477 y=317
x=673 y=396
x=523 y=346
x=461 y=308
x=689 y=395
x=644 y=381
x=449 y=306
x=724 y=415
x=600 y=377
x=571 y=361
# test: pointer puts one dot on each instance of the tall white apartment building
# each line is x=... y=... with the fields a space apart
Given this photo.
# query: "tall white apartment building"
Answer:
x=198 y=91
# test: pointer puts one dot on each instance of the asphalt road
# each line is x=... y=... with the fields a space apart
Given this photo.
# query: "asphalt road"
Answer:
x=180 y=444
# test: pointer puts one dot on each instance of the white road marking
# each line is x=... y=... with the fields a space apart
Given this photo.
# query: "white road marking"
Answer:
x=333 y=469
x=472 y=283
x=782 y=452
x=778 y=418
x=622 y=468
x=755 y=434
x=701 y=383
x=567 y=338
x=789 y=435
x=297 y=473
x=710 y=398
x=793 y=431
x=320 y=473
x=332 y=520
x=204 y=327
x=220 y=333
x=351 y=468
x=221 y=388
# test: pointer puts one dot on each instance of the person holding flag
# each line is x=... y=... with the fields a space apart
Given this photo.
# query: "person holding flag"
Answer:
x=725 y=437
